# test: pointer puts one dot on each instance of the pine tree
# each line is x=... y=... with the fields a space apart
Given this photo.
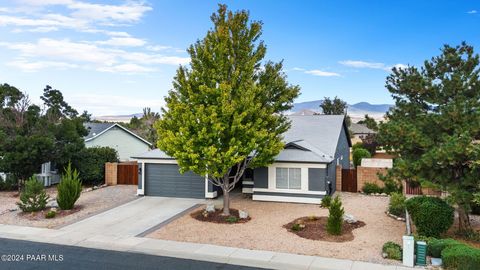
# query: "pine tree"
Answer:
x=335 y=217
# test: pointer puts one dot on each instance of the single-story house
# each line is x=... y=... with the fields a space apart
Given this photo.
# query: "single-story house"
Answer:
x=303 y=172
x=359 y=132
x=112 y=135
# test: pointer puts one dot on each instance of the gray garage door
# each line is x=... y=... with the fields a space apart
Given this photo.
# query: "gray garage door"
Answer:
x=166 y=180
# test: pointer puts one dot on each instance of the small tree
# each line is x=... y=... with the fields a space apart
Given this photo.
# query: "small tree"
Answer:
x=225 y=112
x=369 y=122
x=69 y=188
x=358 y=154
x=335 y=106
x=335 y=217
x=90 y=163
x=33 y=198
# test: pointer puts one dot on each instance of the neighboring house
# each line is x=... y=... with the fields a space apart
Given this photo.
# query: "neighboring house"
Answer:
x=303 y=172
x=112 y=135
x=359 y=132
x=304 y=112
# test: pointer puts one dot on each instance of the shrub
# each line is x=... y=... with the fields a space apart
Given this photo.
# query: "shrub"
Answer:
x=335 y=217
x=232 y=219
x=461 y=257
x=475 y=208
x=33 y=197
x=391 y=186
x=435 y=247
x=297 y=227
x=397 y=204
x=370 y=188
x=358 y=154
x=90 y=163
x=50 y=214
x=326 y=201
x=9 y=184
x=432 y=216
x=69 y=189
x=392 y=250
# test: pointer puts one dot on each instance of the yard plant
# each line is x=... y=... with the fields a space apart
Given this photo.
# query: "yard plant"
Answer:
x=461 y=257
x=396 y=205
x=33 y=197
x=69 y=188
x=326 y=201
x=371 y=188
x=358 y=154
x=392 y=250
x=432 y=216
x=225 y=111
x=335 y=217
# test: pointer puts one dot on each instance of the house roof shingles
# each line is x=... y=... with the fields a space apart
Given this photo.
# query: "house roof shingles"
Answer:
x=96 y=128
x=311 y=138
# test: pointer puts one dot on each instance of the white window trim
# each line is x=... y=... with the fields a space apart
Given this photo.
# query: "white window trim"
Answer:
x=288 y=178
x=272 y=175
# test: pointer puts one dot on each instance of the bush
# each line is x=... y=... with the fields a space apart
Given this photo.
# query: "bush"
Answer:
x=435 y=247
x=432 y=216
x=33 y=197
x=10 y=183
x=370 y=188
x=358 y=154
x=232 y=219
x=69 y=189
x=461 y=257
x=335 y=217
x=475 y=209
x=90 y=163
x=50 y=214
x=297 y=227
x=326 y=201
x=392 y=186
x=392 y=250
x=397 y=204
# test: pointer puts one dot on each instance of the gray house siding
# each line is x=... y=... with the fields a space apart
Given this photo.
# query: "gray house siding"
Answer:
x=316 y=179
x=260 y=177
x=342 y=156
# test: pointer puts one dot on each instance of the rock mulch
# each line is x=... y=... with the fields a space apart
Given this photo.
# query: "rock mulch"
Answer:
x=265 y=230
x=314 y=228
x=89 y=203
x=218 y=217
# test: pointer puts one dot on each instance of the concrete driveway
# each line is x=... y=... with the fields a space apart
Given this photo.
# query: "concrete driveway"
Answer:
x=132 y=218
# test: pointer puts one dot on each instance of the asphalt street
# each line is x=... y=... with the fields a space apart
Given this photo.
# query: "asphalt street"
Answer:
x=17 y=254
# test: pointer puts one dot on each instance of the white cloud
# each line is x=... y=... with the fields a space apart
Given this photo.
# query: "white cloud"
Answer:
x=123 y=42
x=128 y=12
x=473 y=11
x=27 y=66
x=321 y=73
x=370 y=65
x=362 y=64
x=317 y=72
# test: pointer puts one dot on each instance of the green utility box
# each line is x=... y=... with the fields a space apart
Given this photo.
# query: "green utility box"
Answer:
x=421 y=253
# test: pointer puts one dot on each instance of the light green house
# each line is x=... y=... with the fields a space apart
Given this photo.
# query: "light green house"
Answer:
x=117 y=137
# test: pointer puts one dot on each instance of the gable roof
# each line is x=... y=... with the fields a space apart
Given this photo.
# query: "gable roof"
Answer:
x=356 y=128
x=97 y=129
x=311 y=138
x=316 y=135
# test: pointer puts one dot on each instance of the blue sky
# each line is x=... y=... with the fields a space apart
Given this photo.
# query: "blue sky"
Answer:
x=116 y=57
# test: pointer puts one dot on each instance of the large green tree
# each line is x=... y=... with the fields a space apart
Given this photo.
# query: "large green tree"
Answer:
x=224 y=113
x=31 y=136
x=434 y=127
x=335 y=106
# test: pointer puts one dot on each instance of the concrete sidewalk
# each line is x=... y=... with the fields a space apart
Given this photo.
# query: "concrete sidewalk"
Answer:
x=194 y=251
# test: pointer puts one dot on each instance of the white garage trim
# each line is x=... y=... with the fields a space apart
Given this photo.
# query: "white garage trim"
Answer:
x=286 y=199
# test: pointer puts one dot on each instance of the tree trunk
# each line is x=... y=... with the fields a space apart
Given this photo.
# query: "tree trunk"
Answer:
x=463 y=220
x=226 y=202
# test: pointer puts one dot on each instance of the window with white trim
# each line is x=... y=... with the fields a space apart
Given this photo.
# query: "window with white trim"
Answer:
x=288 y=178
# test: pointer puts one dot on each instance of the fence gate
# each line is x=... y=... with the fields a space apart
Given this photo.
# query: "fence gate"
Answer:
x=127 y=174
x=349 y=180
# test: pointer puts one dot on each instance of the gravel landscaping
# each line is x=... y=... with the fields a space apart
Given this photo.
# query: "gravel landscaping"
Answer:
x=265 y=230
x=89 y=203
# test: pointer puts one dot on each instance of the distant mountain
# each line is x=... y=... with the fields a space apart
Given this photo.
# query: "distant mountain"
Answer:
x=356 y=111
x=118 y=118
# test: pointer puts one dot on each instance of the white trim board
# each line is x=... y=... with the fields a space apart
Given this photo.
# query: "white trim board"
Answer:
x=286 y=199
x=292 y=191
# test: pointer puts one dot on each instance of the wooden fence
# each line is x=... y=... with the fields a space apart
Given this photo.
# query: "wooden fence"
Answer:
x=121 y=173
x=349 y=180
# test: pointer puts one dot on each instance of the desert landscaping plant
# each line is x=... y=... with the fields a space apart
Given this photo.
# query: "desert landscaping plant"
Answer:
x=50 y=214
x=335 y=217
x=436 y=246
x=371 y=188
x=396 y=205
x=392 y=251
x=33 y=197
x=358 y=154
x=326 y=201
x=432 y=216
x=69 y=188
x=461 y=257
x=225 y=111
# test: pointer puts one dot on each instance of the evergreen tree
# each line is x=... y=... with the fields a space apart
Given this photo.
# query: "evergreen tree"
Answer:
x=225 y=111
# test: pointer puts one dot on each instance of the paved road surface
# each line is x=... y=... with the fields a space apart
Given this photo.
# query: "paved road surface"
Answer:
x=33 y=255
